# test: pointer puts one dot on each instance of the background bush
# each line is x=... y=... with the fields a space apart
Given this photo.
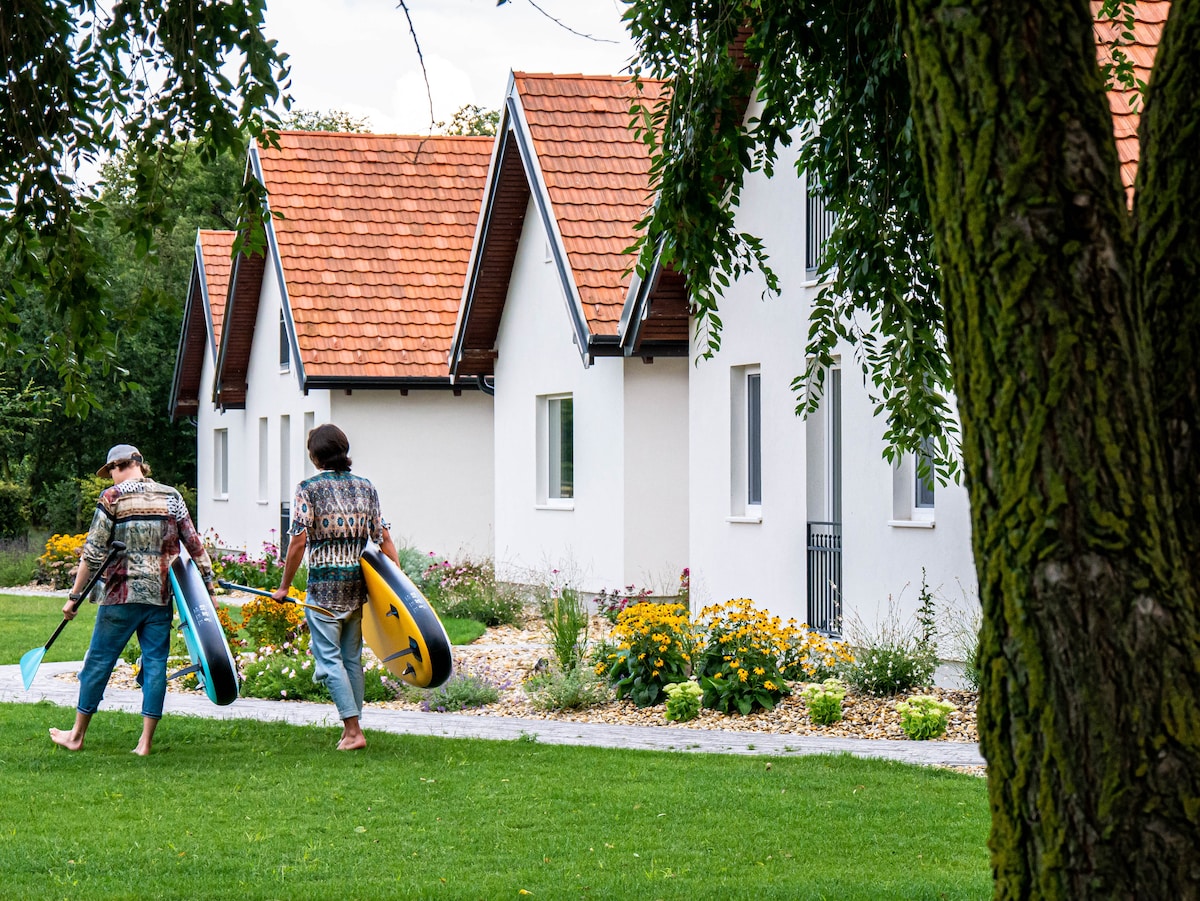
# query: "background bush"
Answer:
x=14 y=510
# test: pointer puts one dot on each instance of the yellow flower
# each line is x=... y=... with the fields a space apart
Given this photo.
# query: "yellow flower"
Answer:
x=742 y=675
x=769 y=685
x=759 y=671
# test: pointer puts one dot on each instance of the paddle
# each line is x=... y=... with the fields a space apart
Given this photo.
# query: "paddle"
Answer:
x=232 y=586
x=31 y=660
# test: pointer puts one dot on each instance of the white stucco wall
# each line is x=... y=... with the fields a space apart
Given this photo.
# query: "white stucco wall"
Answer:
x=765 y=558
x=590 y=540
x=430 y=456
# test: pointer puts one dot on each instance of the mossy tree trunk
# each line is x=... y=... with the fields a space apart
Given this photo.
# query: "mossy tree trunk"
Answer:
x=1073 y=333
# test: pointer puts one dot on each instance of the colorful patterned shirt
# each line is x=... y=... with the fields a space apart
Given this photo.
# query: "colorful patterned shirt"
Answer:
x=340 y=513
x=152 y=520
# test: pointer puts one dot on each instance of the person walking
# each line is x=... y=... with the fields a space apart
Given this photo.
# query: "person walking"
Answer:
x=334 y=515
x=152 y=520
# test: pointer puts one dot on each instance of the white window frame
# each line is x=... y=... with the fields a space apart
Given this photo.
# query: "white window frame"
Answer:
x=745 y=443
x=221 y=464
x=550 y=453
x=285 y=347
x=264 y=461
x=907 y=510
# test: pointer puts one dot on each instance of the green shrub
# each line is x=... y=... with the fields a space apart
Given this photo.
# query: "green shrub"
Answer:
x=923 y=716
x=468 y=590
x=461 y=691
x=894 y=656
x=609 y=604
x=824 y=701
x=18 y=561
x=683 y=701
x=654 y=646
x=61 y=507
x=14 y=510
x=264 y=571
x=575 y=689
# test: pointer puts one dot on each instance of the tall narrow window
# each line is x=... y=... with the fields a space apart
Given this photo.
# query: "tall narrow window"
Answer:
x=818 y=223
x=221 y=463
x=264 y=463
x=753 y=439
x=924 y=476
x=561 y=454
x=309 y=423
x=285 y=350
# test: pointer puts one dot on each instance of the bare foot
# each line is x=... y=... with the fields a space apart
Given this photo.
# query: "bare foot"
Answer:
x=140 y=751
x=66 y=739
x=352 y=742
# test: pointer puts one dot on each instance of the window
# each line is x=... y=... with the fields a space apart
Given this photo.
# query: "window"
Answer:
x=285 y=350
x=818 y=223
x=264 y=466
x=924 y=476
x=745 y=445
x=562 y=448
x=754 y=439
x=913 y=488
x=556 y=451
x=310 y=420
x=221 y=463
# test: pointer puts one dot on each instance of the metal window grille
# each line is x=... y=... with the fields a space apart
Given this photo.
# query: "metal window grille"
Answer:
x=825 y=577
x=819 y=223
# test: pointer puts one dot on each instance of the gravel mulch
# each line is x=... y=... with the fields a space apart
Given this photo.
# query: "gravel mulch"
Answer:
x=506 y=656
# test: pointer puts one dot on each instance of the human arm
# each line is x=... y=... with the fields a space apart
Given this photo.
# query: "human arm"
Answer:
x=291 y=563
x=388 y=547
x=190 y=538
x=70 y=608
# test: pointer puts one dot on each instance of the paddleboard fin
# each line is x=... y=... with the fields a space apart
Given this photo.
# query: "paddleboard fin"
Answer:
x=194 y=668
x=413 y=648
x=392 y=611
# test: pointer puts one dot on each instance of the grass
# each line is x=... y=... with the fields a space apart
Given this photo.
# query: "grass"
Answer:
x=249 y=810
x=27 y=622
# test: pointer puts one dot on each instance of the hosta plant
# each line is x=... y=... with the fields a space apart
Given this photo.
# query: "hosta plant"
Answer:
x=683 y=701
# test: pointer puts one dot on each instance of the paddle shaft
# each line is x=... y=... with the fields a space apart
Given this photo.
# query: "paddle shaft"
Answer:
x=233 y=586
x=114 y=548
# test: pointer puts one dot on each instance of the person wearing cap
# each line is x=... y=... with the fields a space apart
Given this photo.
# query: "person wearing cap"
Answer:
x=152 y=521
x=334 y=515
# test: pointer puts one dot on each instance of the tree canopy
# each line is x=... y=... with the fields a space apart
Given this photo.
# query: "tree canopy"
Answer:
x=84 y=82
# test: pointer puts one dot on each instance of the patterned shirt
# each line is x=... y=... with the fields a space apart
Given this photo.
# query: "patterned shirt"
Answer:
x=152 y=520
x=340 y=513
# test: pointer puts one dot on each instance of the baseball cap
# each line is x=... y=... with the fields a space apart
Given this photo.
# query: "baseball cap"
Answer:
x=116 y=454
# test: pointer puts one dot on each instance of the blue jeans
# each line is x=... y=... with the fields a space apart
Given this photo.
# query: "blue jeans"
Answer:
x=337 y=654
x=115 y=625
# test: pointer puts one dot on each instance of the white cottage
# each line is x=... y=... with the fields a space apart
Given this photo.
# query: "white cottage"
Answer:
x=591 y=462
x=347 y=319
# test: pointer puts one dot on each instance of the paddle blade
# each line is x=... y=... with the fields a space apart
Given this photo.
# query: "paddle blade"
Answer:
x=30 y=661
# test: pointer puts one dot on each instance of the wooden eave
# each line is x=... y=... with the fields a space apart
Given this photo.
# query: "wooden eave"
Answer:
x=473 y=351
x=193 y=343
x=237 y=333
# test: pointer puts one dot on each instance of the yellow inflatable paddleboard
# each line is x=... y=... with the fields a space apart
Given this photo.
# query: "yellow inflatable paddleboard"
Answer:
x=400 y=626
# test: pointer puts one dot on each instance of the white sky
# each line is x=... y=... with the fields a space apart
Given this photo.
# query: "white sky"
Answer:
x=358 y=55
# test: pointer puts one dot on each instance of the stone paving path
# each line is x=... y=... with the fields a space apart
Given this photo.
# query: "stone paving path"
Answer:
x=450 y=725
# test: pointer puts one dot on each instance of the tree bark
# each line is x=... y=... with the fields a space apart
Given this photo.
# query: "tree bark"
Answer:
x=1071 y=394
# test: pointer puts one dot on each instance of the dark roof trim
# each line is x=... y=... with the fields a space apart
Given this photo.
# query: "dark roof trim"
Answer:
x=372 y=383
x=637 y=305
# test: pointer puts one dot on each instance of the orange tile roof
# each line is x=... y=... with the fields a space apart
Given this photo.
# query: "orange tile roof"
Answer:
x=216 y=248
x=374 y=242
x=1149 y=18
x=596 y=173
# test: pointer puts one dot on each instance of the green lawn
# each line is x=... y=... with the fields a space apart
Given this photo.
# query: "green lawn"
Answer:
x=252 y=810
x=28 y=622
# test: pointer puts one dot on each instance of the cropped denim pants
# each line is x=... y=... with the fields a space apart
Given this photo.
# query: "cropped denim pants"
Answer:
x=115 y=625
x=337 y=644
